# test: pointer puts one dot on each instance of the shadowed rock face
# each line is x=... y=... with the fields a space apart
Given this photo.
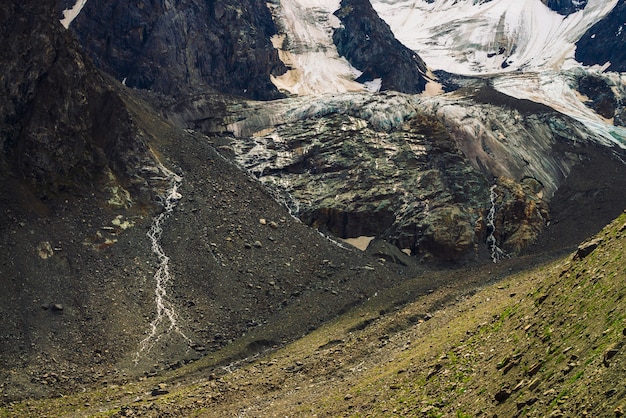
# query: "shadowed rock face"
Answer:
x=604 y=42
x=565 y=7
x=186 y=46
x=370 y=46
x=62 y=126
x=601 y=97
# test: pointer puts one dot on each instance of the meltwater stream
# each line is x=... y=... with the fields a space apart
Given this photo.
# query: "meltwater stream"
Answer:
x=166 y=315
x=496 y=252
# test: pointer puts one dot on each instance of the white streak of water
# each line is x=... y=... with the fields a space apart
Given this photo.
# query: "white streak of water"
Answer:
x=497 y=253
x=166 y=319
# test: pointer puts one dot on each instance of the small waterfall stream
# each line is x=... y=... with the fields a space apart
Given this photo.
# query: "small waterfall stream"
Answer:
x=165 y=312
x=497 y=253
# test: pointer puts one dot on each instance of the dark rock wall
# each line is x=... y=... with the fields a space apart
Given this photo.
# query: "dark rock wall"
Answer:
x=604 y=42
x=601 y=97
x=184 y=46
x=351 y=172
x=61 y=124
x=565 y=7
x=368 y=44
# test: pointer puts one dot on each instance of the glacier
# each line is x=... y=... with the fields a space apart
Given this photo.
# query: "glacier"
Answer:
x=524 y=48
x=70 y=14
x=507 y=96
x=460 y=36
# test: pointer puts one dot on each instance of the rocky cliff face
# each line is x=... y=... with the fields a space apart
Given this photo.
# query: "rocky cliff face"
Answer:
x=183 y=47
x=62 y=126
x=604 y=42
x=422 y=174
x=370 y=46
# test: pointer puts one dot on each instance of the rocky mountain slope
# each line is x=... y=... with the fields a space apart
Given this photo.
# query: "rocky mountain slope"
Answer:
x=88 y=169
x=183 y=47
x=545 y=342
x=159 y=227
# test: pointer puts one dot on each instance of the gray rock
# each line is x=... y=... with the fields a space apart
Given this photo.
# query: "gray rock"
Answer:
x=609 y=354
x=159 y=392
x=388 y=252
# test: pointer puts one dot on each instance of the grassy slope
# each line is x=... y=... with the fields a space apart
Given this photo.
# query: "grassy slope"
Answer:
x=548 y=342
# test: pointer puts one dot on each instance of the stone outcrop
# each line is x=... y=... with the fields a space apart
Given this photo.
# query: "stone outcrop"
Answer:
x=520 y=216
x=604 y=41
x=185 y=46
x=370 y=46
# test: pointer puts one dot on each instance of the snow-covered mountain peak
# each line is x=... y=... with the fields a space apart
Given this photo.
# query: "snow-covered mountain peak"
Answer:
x=470 y=37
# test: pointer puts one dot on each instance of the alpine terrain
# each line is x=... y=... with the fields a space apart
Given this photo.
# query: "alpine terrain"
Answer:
x=312 y=208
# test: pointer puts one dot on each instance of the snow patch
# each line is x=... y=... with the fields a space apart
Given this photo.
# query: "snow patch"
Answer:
x=70 y=14
x=361 y=242
x=373 y=85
